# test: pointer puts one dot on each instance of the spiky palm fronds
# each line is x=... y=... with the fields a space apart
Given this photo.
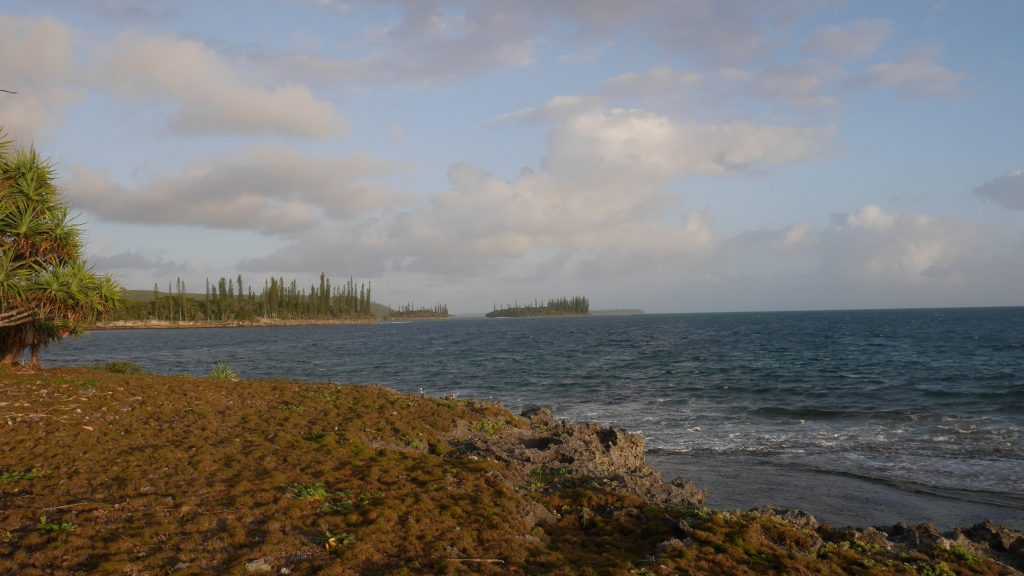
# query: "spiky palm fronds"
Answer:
x=46 y=289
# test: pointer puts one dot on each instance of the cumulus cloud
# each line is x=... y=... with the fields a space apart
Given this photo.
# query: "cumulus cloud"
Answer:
x=878 y=247
x=36 y=61
x=919 y=74
x=859 y=39
x=272 y=190
x=641 y=144
x=598 y=200
x=208 y=92
x=1007 y=190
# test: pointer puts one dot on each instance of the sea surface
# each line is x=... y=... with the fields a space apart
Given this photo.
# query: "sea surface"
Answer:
x=859 y=417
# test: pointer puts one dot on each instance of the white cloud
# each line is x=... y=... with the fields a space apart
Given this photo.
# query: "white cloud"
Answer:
x=588 y=55
x=1007 y=190
x=638 y=144
x=656 y=81
x=598 y=200
x=209 y=93
x=803 y=86
x=859 y=39
x=272 y=190
x=36 y=61
x=876 y=247
x=447 y=40
x=134 y=261
x=919 y=74
x=555 y=110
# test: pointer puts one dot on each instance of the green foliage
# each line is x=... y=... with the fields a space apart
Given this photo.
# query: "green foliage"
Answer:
x=332 y=541
x=314 y=491
x=47 y=291
x=47 y=526
x=122 y=367
x=960 y=553
x=487 y=426
x=11 y=477
x=221 y=371
x=230 y=299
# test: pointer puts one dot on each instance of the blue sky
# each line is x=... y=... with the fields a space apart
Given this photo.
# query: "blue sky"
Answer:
x=666 y=155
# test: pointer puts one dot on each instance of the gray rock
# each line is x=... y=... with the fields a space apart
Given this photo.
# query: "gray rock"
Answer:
x=793 y=517
x=539 y=416
x=669 y=546
x=258 y=566
x=921 y=536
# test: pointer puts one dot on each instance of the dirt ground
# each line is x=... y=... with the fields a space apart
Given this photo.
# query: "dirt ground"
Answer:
x=115 y=473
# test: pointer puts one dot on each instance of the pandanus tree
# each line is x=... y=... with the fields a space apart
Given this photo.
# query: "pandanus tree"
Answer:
x=47 y=291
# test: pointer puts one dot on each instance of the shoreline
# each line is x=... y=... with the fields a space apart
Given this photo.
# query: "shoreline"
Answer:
x=186 y=324
x=363 y=479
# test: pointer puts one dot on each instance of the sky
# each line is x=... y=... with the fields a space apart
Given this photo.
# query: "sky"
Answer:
x=669 y=155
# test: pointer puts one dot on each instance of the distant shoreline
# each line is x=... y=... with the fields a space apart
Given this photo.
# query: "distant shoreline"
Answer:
x=186 y=324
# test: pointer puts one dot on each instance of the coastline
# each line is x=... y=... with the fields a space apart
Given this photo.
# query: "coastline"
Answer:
x=186 y=324
x=363 y=479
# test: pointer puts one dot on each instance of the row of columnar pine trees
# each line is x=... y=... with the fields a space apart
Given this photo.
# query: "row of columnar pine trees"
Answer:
x=410 y=312
x=575 y=306
x=232 y=299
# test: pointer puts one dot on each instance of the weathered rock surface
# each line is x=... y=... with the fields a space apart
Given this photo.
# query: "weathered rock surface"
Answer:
x=548 y=453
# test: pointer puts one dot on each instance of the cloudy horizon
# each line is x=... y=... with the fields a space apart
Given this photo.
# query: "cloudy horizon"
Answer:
x=670 y=156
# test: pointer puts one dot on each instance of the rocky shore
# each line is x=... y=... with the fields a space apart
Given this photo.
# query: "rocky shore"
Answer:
x=142 y=474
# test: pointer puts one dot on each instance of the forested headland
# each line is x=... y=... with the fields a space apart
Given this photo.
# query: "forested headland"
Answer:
x=575 y=306
x=233 y=300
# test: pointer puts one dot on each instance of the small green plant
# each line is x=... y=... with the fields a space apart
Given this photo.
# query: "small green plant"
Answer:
x=325 y=395
x=487 y=426
x=317 y=436
x=122 y=367
x=91 y=384
x=338 y=506
x=960 y=553
x=314 y=491
x=47 y=526
x=332 y=541
x=221 y=371
x=11 y=477
x=291 y=407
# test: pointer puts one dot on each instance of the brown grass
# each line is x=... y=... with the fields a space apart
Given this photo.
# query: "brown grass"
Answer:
x=161 y=474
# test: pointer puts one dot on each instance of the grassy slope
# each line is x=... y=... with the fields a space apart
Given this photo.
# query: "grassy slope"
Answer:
x=158 y=472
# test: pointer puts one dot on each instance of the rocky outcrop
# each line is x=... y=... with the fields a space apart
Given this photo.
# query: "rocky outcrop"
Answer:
x=549 y=454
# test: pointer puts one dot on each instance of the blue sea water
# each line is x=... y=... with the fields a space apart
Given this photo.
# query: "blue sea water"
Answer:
x=860 y=417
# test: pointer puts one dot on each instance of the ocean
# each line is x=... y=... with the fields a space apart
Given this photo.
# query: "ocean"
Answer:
x=858 y=417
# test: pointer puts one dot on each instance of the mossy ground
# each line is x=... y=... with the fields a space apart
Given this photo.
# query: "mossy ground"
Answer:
x=147 y=474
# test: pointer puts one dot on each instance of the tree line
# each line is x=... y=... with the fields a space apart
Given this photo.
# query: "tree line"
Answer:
x=575 y=306
x=233 y=299
x=410 y=312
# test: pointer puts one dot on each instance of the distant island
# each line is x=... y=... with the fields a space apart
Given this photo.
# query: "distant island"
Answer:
x=410 y=312
x=575 y=306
